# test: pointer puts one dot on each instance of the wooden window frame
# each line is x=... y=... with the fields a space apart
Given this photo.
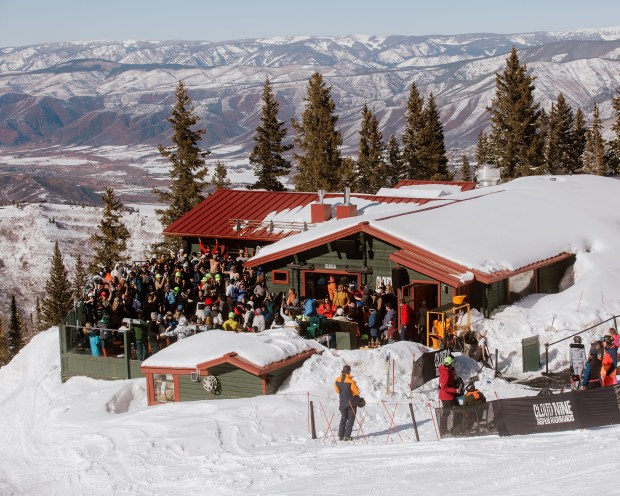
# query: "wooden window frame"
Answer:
x=273 y=279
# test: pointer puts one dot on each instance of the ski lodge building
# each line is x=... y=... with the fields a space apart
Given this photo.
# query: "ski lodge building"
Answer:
x=430 y=241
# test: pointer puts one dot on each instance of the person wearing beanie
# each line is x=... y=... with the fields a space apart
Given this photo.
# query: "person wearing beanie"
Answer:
x=153 y=331
x=258 y=324
x=231 y=324
x=592 y=373
x=349 y=395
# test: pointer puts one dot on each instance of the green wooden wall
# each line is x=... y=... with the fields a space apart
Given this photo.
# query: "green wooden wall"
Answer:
x=549 y=277
x=236 y=383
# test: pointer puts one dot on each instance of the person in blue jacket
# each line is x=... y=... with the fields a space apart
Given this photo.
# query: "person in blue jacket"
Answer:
x=592 y=373
x=94 y=340
x=310 y=307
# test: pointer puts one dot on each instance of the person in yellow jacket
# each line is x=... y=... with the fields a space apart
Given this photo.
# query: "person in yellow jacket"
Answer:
x=341 y=297
x=349 y=394
x=231 y=324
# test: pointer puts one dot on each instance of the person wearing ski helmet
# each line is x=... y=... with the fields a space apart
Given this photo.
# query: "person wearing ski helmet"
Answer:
x=349 y=395
x=472 y=395
x=578 y=359
x=448 y=383
x=448 y=391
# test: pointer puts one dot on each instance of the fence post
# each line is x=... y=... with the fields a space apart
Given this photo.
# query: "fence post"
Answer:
x=127 y=353
x=546 y=358
x=312 y=425
x=415 y=426
x=496 y=355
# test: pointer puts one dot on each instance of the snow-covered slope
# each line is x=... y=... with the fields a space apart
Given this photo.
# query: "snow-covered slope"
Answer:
x=89 y=437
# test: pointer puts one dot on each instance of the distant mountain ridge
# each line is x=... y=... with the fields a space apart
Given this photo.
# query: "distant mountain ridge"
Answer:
x=120 y=93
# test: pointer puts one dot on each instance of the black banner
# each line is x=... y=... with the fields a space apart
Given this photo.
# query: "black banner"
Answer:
x=426 y=368
x=558 y=412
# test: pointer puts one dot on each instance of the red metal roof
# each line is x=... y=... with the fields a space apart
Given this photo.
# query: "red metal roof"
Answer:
x=464 y=185
x=214 y=217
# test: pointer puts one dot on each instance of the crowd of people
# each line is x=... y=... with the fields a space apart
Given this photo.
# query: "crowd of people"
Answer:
x=597 y=368
x=180 y=294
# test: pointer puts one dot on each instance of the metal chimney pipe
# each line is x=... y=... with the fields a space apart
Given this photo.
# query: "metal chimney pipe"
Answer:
x=347 y=194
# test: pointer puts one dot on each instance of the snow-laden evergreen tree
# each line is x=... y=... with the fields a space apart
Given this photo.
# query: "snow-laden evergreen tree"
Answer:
x=220 y=176
x=267 y=155
x=432 y=149
x=394 y=163
x=58 y=292
x=16 y=330
x=414 y=122
x=38 y=324
x=110 y=239
x=79 y=280
x=5 y=357
x=482 y=149
x=187 y=160
x=594 y=152
x=614 y=143
x=580 y=129
x=560 y=139
x=370 y=172
x=467 y=174
x=317 y=142
x=514 y=141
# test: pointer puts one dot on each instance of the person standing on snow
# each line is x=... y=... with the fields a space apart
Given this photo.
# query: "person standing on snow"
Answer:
x=610 y=362
x=449 y=389
x=347 y=390
x=592 y=373
x=578 y=359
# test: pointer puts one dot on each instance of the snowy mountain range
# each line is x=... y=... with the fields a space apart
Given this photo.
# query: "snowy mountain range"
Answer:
x=103 y=93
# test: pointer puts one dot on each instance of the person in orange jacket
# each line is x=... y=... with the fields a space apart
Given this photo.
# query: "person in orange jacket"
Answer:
x=610 y=361
x=349 y=393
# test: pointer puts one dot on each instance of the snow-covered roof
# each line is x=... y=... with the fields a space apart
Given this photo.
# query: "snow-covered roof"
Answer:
x=504 y=227
x=261 y=349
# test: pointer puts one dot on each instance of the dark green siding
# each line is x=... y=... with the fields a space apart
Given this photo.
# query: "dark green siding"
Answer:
x=74 y=364
x=549 y=277
x=276 y=378
x=367 y=251
x=496 y=295
x=235 y=382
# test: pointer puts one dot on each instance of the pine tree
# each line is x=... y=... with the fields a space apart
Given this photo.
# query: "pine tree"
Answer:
x=220 y=176
x=614 y=143
x=466 y=172
x=188 y=170
x=580 y=129
x=266 y=157
x=5 y=357
x=15 y=333
x=79 y=281
x=594 y=151
x=414 y=122
x=110 y=240
x=347 y=168
x=38 y=325
x=482 y=149
x=432 y=149
x=57 y=301
x=371 y=169
x=560 y=139
x=515 y=145
x=318 y=141
x=394 y=163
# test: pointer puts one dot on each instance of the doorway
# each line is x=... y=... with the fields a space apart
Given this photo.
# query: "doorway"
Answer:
x=314 y=283
x=416 y=293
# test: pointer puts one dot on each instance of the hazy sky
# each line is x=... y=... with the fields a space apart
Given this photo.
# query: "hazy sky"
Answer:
x=24 y=22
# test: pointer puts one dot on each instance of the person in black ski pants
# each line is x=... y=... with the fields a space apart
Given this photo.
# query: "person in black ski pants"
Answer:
x=349 y=393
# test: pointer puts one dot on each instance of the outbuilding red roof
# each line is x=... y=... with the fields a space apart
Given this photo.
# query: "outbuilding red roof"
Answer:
x=464 y=185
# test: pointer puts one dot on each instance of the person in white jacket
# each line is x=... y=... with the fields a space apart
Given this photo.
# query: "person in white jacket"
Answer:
x=181 y=331
x=578 y=360
x=258 y=324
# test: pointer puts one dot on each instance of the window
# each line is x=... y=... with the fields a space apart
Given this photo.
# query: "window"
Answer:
x=164 y=387
x=279 y=277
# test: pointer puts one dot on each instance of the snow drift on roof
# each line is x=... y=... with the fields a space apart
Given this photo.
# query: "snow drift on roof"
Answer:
x=262 y=349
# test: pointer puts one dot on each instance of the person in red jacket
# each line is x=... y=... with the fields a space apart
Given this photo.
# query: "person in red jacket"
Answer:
x=448 y=383
x=449 y=389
